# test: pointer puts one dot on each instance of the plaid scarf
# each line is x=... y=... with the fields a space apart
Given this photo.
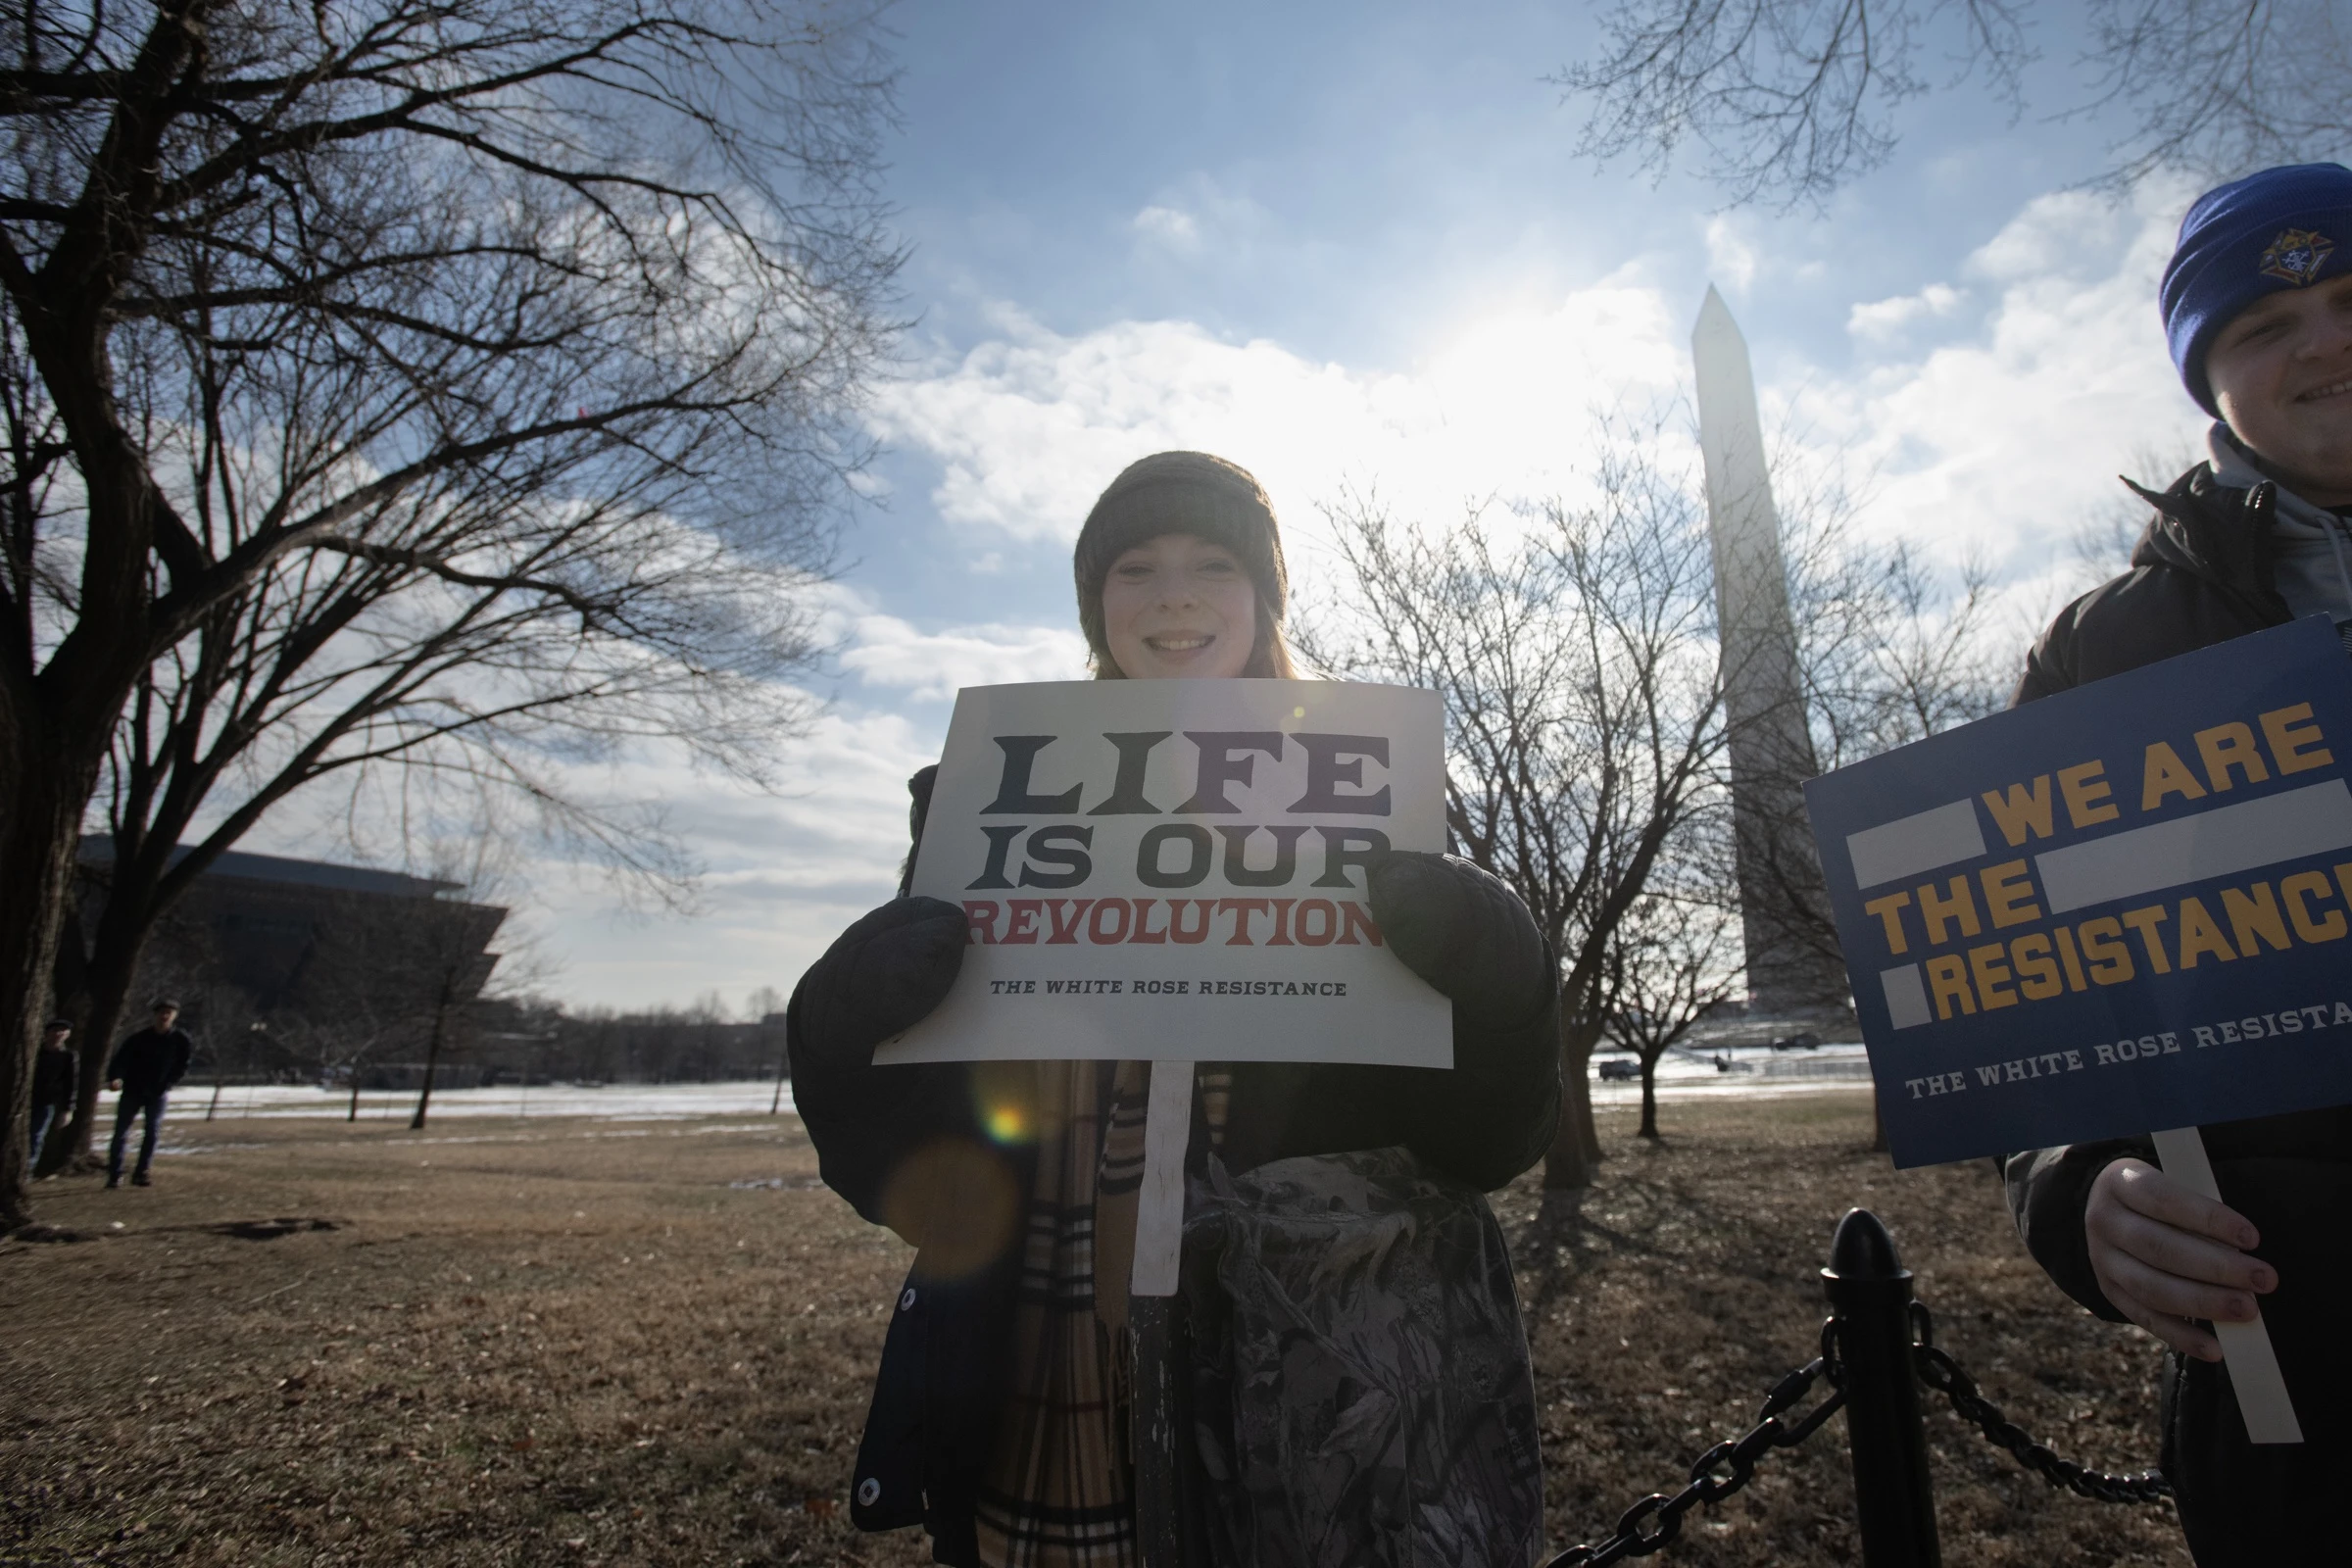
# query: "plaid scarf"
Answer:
x=1058 y=1490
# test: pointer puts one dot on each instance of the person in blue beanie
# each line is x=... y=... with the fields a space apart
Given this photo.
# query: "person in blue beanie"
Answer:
x=2257 y=306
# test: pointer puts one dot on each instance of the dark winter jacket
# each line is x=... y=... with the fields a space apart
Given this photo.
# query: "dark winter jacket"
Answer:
x=151 y=1062
x=52 y=1077
x=2201 y=575
x=909 y=1147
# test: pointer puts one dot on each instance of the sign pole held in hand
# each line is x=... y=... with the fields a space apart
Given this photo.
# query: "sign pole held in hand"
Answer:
x=1160 y=1207
x=2246 y=1348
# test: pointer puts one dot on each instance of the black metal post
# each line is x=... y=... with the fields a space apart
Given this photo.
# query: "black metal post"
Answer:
x=1869 y=1295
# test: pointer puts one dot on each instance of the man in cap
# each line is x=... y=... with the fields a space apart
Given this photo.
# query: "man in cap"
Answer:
x=144 y=1068
x=2257 y=305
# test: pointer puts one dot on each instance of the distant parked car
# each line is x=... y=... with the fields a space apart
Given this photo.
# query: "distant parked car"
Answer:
x=1619 y=1068
x=1806 y=1040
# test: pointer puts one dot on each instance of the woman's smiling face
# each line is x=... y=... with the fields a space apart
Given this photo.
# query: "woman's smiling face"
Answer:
x=1179 y=606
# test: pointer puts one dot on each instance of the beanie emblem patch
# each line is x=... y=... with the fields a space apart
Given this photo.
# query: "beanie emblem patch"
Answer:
x=2296 y=256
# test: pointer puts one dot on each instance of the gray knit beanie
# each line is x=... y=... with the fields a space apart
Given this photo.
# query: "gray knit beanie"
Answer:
x=1178 y=492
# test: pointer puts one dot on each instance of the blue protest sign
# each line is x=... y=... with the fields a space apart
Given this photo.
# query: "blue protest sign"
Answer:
x=2121 y=908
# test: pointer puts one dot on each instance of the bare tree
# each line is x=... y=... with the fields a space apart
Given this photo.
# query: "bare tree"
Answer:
x=445 y=953
x=1788 y=100
x=340 y=671
x=1587 y=766
x=1584 y=721
x=1892 y=650
x=2222 y=86
x=392 y=979
x=660 y=1045
x=765 y=1008
x=294 y=300
x=341 y=1044
x=1673 y=958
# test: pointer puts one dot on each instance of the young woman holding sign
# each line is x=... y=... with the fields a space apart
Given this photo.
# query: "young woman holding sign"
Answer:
x=1000 y=1413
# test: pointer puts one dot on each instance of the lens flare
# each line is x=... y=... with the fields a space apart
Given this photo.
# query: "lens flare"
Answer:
x=1005 y=1101
x=955 y=1200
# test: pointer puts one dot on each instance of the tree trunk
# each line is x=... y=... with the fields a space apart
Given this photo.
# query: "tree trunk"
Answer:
x=70 y=999
x=353 y=1114
x=432 y=1048
x=1586 y=1128
x=1576 y=1145
x=40 y=832
x=1650 y=1097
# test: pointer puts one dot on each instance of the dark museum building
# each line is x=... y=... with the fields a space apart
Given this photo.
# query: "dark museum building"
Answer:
x=287 y=966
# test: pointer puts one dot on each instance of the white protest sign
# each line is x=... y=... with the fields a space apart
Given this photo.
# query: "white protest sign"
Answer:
x=1173 y=871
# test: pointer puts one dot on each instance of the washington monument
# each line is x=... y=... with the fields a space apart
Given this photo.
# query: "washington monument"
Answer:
x=1792 y=962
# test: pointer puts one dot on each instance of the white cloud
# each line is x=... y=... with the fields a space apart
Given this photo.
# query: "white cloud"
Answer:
x=1882 y=320
x=1171 y=227
x=889 y=652
x=1732 y=260
x=1993 y=408
x=2070 y=234
x=2041 y=373
x=1198 y=213
x=783 y=873
x=1028 y=427
x=2005 y=438
x=1991 y=413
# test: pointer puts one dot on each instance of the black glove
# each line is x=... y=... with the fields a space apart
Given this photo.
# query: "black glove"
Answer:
x=883 y=975
x=1465 y=932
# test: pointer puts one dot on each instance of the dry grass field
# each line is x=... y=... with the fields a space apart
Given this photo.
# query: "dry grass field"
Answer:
x=610 y=1342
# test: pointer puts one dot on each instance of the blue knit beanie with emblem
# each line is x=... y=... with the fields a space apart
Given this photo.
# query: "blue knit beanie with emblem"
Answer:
x=2286 y=227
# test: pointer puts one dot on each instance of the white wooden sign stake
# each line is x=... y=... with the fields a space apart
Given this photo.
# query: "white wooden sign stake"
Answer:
x=1160 y=1207
x=2246 y=1346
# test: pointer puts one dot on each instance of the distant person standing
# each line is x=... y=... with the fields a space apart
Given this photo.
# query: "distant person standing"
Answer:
x=144 y=1068
x=53 y=1077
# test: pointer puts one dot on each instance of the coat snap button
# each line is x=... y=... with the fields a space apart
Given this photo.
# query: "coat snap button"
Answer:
x=907 y=1299
x=869 y=1491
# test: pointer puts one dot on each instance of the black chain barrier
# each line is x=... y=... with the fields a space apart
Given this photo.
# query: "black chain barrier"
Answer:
x=1652 y=1523
x=1656 y=1521
x=1939 y=1371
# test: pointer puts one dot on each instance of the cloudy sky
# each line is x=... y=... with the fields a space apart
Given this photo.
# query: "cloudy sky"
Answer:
x=1351 y=245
